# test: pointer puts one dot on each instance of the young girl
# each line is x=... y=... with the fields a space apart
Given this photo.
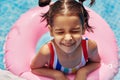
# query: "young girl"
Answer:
x=69 y=52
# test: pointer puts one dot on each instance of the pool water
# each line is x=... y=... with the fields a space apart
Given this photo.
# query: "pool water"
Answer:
x=11 y=10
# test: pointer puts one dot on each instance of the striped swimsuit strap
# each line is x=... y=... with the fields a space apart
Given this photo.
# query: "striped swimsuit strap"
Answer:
x=52 y=53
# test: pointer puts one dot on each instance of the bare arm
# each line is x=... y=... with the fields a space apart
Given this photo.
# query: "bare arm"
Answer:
x=38 y=65
x=92 y=64
x=54 y=74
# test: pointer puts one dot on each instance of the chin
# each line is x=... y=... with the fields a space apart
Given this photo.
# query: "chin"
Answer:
x=68 y=51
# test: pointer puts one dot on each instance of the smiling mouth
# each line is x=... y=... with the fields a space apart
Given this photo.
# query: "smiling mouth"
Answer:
x=68 y=45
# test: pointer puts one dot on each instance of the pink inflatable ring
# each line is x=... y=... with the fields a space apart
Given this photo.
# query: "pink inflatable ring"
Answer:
x=20 y=45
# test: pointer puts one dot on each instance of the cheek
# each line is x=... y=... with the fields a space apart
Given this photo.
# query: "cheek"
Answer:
x=77 y=37
x=57 y=38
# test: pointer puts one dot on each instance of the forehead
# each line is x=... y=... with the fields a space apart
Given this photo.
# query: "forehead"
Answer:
x=64 y=19
x=67 y=23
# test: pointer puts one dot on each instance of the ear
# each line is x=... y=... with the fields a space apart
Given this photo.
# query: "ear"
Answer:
x=51 y=30
x=84 y=29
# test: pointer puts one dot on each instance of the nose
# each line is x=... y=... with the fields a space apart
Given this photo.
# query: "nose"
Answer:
x=68 y=37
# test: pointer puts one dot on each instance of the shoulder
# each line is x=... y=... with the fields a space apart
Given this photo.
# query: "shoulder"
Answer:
x=93 y=54
x=44 y=51
x=41 y=58
x=43 y=54
x=92 y=45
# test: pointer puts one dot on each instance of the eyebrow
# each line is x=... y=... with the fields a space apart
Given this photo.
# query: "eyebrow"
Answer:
x=76 y=28
x=58 y=29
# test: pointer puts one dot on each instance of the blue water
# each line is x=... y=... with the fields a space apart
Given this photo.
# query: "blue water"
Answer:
x=10 y=11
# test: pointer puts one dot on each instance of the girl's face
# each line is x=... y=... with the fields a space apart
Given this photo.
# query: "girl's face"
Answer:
x=67 y=32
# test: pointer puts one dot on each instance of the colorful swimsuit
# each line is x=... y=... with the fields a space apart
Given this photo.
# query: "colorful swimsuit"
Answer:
x=55 y=64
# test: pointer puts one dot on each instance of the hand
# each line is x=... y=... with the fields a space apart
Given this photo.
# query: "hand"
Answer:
x=81 y=75
x=60 y=76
